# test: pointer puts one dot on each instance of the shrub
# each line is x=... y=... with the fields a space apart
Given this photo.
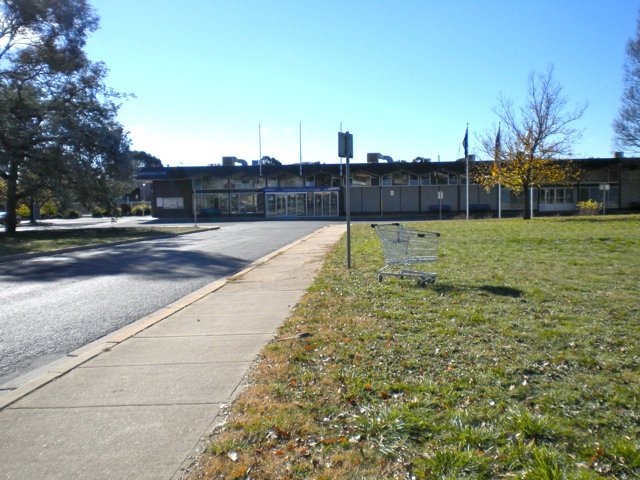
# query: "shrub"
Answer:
x=72 y=214
x=589 y=207
x=23 y=211
x=48 y=209
x=98 y=212
x=140 y=210
x=125 y=208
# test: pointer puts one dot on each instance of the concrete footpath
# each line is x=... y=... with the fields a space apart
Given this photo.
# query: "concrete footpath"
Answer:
x=138 y=403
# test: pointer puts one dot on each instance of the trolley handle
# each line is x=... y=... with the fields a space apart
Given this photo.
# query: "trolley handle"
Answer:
x=374 y=225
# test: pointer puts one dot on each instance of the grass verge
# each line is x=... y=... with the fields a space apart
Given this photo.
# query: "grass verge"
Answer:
x=522 y=361
x=40 y=241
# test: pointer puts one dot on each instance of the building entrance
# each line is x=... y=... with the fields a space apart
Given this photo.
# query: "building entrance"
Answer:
x=302 y=203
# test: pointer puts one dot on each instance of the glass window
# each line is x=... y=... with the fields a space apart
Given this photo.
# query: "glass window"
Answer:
x=290 y=181
x=361 y=180
x=244 y=203
x=425 y=179
x=400 y=178
x=213 y=183
x=323 y=180
x=219 y=201
x=243 y=183
x=387 y=181
x=260 y=182
x=375 y=181
x=310 y=181
x=413 y=180
x=172 y=203
x=439 y=178
x=593 y=192
x=557 y=195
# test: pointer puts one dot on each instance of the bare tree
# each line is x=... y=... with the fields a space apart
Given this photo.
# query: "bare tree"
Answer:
x=627 y=125
x=531 y=139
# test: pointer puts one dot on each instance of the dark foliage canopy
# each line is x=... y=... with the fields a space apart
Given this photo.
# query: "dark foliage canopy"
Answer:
x=58 y=127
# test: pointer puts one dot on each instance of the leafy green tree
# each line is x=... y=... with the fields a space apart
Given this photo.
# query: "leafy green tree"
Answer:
x=627 y=124
x=531 y=140
x=58 y=128
x=3 y=192
x=142 y=159
x=270 y=161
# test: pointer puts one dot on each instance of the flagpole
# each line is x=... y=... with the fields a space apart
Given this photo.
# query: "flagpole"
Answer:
x=341 y=157
x=301 y=149
x=497 y=160
x=466 y=159
x=260 y=148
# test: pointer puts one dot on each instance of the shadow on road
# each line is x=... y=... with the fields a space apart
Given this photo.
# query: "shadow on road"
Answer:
x=148 y=258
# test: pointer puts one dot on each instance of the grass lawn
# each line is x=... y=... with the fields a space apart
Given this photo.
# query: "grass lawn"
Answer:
x=38 y=241
x=522 y=361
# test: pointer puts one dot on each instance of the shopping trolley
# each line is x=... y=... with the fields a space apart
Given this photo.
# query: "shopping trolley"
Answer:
x=404 y=246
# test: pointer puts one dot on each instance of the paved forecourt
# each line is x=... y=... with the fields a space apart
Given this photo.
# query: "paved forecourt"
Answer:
x=137 y=403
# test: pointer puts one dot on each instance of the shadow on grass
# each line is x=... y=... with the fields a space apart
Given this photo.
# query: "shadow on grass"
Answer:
x=502 y=291
x=498 y=290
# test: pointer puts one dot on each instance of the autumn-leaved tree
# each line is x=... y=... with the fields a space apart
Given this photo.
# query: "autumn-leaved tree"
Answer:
x=530 y=141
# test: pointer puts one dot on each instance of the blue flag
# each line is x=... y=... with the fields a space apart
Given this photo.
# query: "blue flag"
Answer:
x=465 y=143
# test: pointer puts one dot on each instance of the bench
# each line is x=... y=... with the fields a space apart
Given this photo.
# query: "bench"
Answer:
x=480 y=207
x=436 y=208
x=209 y=212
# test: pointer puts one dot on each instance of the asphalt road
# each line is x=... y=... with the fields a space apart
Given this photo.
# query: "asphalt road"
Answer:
x=53 y=305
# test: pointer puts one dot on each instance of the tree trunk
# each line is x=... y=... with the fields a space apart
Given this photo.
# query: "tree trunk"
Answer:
x=32 y=212
x=12 y=188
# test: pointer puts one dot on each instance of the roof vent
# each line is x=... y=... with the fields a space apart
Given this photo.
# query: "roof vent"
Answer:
x=376 y=157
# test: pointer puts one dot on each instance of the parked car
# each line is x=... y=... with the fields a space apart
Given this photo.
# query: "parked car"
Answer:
x=3 y=218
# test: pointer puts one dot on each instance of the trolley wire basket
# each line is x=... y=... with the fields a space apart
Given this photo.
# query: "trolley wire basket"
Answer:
x=405 y=250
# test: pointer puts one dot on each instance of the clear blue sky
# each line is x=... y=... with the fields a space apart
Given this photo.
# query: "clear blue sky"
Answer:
x=405 y=77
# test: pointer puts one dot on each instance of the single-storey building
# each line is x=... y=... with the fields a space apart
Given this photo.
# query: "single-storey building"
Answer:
x=395 y=188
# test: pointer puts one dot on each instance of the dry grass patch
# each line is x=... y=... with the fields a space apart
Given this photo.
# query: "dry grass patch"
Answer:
x=521 y=362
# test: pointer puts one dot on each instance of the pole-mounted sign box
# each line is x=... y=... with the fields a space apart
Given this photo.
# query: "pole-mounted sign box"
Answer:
x=345 y=150
x=345 y=145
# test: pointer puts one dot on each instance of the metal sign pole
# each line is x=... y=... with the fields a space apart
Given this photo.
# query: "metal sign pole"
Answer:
x=345 y=149
x=347 y=200
x=194 y=200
